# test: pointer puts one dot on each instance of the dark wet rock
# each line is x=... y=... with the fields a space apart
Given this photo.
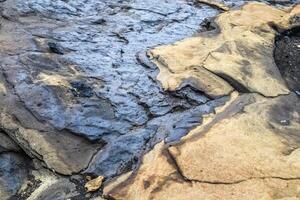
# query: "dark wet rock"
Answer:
x=88 y=83
x=123 y=153
x=55 y=48
x=7 y=144
x=80 y=89
x=13 y=173
x=287 y=57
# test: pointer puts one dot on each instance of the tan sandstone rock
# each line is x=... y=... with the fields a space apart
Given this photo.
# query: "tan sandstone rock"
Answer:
x=215 y=3
x=239 y=52
x=248 y=150
x=257 y=138
x=94 y=184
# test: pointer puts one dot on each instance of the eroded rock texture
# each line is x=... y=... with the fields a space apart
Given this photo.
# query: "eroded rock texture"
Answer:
x=84 y=94
x=249 y=149
x=73 y=80
x=78 y=93
x=238 y=55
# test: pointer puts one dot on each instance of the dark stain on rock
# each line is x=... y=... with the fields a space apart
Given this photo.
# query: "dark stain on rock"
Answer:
x=55 y=48
x=283 y=117
x=80 y=89
x=146 y=184
x=287 y=57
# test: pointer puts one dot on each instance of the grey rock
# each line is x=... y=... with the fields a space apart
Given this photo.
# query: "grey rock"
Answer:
x=75 y=85
x=7 y=144
x=13 y=173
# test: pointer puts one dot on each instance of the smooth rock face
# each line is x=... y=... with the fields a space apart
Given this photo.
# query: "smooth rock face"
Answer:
x=238 y=52
x=248 y=150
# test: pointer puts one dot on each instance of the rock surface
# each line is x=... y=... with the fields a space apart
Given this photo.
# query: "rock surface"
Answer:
x=248 y=150
x=64 y=97
x=238 y=52
x=13 y=173
x=89 y=87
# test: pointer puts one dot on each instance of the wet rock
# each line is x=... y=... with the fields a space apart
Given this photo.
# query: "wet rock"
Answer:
x=78 y=93
x=7 y=144
x=123 y=153
x=73 y=89
x=55 y=48
x=13 y=173
x=80 y=89
x=62 y=152
x=45 y=185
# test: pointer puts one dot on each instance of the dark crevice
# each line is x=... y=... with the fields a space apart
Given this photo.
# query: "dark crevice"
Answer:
x=234 y=83
x=287 y=57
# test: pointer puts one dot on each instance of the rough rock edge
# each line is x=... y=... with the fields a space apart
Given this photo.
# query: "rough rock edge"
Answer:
x=205 y=68
x=127 y=179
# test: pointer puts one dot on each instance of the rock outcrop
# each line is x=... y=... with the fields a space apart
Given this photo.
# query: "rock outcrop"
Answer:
x=98 y=94
x=248 y=150
x=237 y=54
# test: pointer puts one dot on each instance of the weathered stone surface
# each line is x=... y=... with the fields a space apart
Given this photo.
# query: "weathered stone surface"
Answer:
x=7 y=144
x=248 y=150
x=62 y=152
x=125 y=151
x=239 y=52
x=78 y=95
x=44 y=185
x=258 y=138
x=13 y=173
x=75 y=79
